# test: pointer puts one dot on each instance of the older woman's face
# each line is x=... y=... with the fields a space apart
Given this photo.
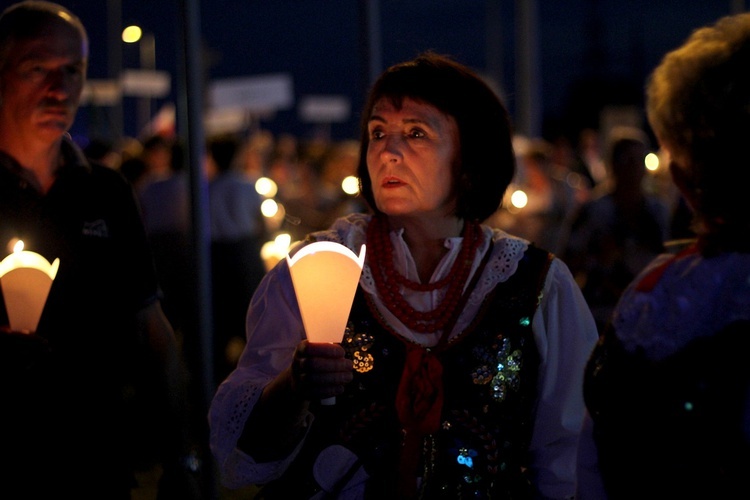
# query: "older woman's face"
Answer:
x=410 y=158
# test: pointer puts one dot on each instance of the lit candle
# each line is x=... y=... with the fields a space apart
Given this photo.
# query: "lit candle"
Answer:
x=325 y=276
x=26 y=278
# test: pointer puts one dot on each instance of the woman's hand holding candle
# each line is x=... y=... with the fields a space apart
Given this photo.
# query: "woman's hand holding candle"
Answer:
x=320 y=370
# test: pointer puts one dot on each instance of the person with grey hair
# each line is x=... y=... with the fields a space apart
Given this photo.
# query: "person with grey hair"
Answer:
x=668 y=386
x=66 y=425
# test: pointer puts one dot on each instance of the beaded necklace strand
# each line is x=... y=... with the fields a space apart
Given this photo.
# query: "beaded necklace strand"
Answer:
x=388 y=280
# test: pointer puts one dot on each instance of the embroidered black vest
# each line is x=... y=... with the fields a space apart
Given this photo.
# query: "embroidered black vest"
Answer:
x=490 y=384
x=674 y=427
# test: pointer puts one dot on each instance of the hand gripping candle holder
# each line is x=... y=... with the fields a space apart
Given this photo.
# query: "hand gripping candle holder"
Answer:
x=325 y=276
x=26 y=278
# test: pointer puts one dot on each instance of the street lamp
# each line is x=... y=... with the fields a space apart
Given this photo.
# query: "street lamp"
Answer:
x=147 y=57
x=132 y=34
x=147 y=46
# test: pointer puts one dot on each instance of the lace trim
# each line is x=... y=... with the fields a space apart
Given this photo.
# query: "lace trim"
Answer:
x=507 y=252
x=696 y=297
x=244 y=398
x=350 y=231
x=237 y=468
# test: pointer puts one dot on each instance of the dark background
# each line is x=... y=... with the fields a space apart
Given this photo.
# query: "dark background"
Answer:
x=591 y=53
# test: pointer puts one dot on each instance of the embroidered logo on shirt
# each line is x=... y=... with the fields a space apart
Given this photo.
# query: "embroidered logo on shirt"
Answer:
x=97 y=229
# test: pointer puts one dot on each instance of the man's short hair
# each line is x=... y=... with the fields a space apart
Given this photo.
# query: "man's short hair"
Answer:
x=27 y=19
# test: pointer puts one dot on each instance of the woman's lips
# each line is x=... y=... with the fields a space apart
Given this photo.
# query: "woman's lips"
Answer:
x=391 y=182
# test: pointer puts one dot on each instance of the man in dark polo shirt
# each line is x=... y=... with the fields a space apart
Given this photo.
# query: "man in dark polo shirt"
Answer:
x=66 y=388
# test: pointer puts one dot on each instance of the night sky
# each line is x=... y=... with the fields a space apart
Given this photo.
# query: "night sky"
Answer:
x=591 y=52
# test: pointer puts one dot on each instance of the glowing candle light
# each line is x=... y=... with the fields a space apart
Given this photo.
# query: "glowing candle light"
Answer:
x=325 y=276
x=26 y=278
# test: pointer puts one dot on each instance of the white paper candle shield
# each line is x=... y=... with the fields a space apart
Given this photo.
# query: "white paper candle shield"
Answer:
x=325 y=276
x=26 y=278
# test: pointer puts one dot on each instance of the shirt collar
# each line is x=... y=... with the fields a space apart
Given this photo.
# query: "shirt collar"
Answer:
x=71 y=157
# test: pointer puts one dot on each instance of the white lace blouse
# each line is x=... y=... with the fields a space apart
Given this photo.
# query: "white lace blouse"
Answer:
x=563 y=327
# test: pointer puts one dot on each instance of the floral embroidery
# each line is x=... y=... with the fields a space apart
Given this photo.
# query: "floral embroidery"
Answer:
x=508 y=368
x=482 y=375
x=499 y=366
x=357 y=346
x=465 y=457
x=363 y=363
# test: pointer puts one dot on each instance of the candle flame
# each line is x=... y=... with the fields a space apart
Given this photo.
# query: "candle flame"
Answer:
x=18 y=246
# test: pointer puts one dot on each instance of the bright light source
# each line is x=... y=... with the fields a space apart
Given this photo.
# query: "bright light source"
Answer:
x=282 y=242
x=519 y=199
x=652 y=162
x=266 y=187
x=268 y=252
x=131 y=34
x=18 y=246
x=269 y=208
x=350 y=185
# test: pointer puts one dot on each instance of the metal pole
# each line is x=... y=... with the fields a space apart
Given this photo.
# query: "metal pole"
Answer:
x=375 y=45
x=190 y=109
x=147 y=55
x=114 y=55
x=192 y=99
x=527 y=74
x=370 y=44
x=494 y=45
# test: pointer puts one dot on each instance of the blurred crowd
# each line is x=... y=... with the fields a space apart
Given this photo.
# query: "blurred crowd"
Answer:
x=264 y=194
x=602 y=202
x=592 y=200
x=657 y=245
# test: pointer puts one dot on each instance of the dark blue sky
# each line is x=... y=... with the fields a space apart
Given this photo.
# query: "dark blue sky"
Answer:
x=591 y=52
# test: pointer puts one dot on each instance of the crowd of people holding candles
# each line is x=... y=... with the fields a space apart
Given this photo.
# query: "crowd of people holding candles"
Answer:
x=439 y=308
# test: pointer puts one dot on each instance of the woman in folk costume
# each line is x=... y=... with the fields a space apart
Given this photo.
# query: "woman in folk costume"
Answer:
x=668 y=387
x=460 y=371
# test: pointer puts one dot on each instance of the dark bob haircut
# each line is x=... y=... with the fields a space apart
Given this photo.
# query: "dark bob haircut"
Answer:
x=486 y=162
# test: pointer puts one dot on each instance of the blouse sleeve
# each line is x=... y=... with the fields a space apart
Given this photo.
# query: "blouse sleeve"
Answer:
x=274 y=328
x=565 y=333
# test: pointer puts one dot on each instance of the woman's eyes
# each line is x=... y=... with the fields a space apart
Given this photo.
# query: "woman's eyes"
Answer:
x=415 y=133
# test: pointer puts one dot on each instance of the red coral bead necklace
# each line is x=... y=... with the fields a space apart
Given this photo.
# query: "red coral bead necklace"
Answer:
x=388 y=280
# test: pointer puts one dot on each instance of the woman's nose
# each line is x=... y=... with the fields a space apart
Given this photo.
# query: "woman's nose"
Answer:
x=392 y=149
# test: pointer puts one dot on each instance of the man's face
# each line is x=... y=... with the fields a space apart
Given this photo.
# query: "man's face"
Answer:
x=41 y=83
